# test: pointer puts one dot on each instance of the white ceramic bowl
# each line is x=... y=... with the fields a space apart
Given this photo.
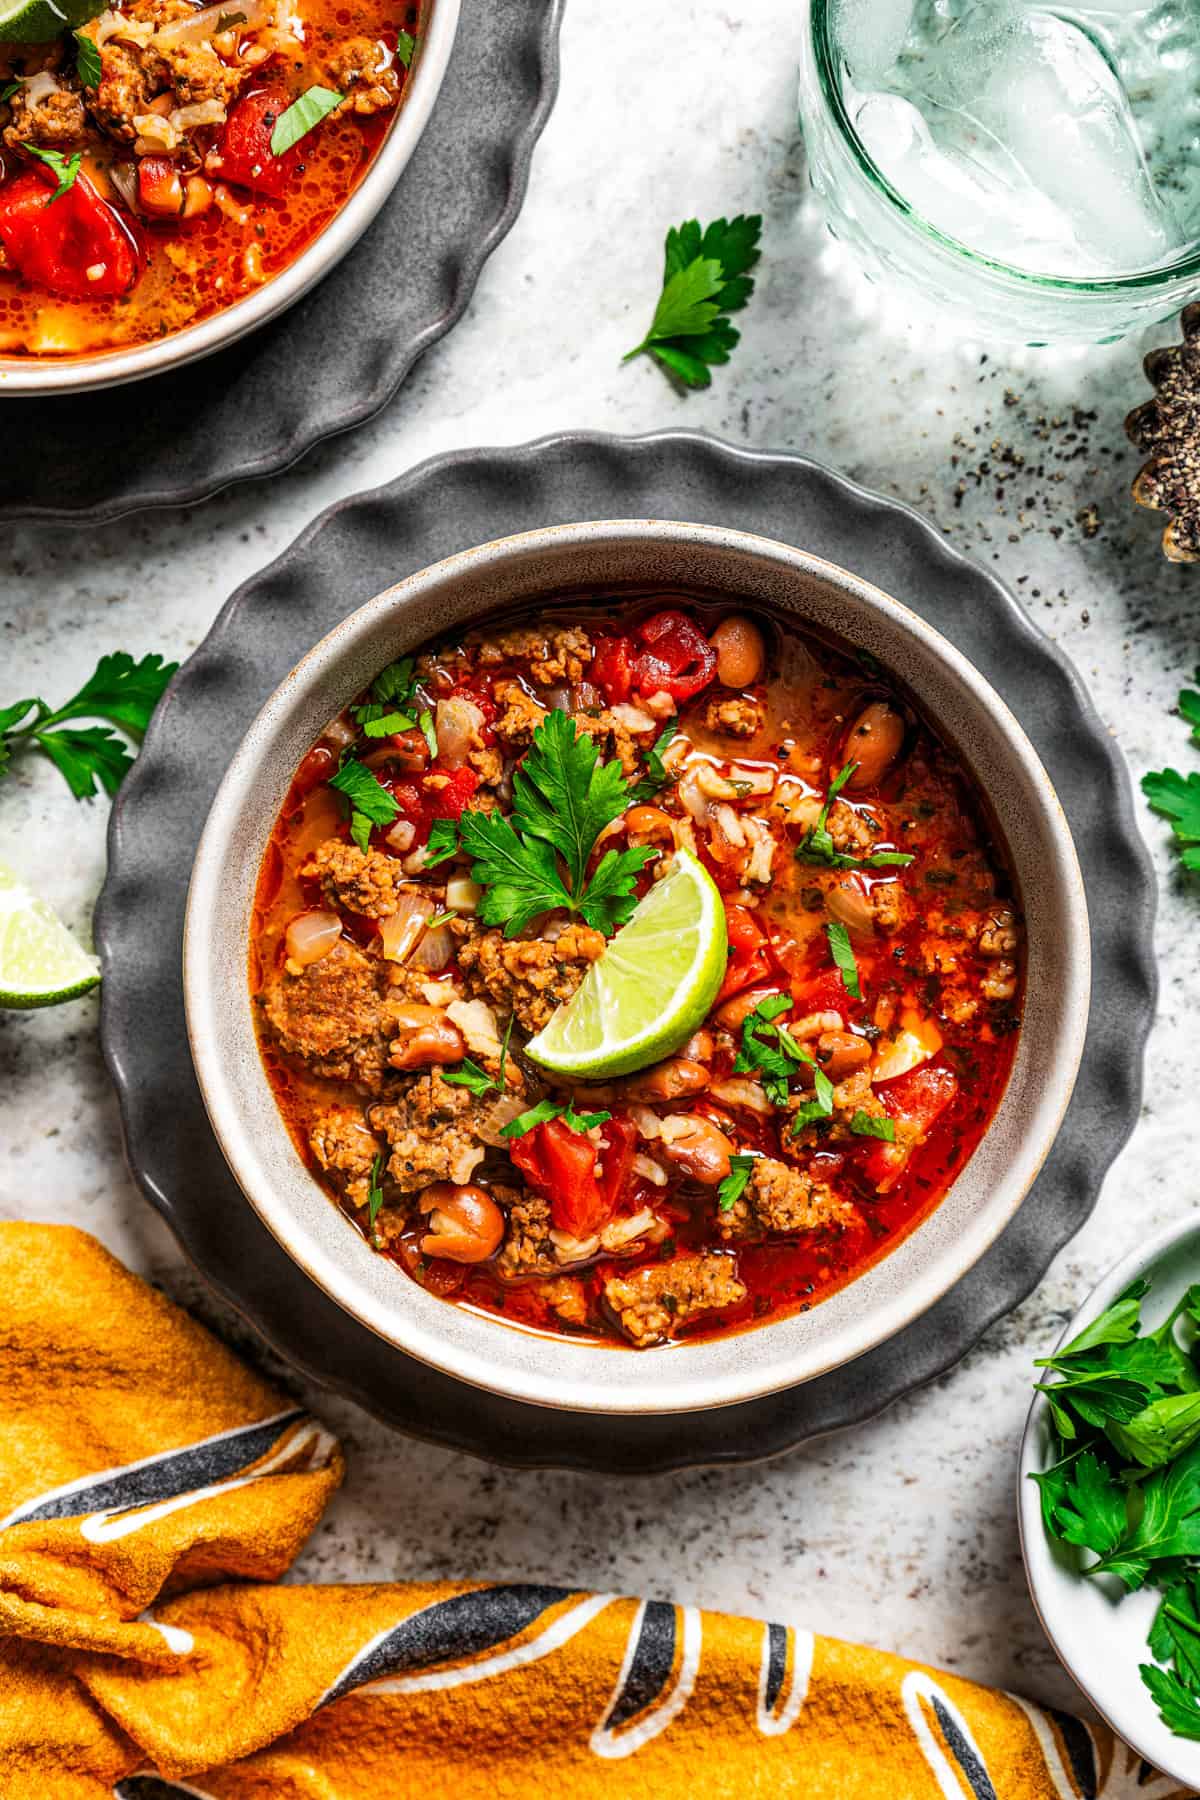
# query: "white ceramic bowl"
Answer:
x=561 y=1372
x=111 y=368
x=1097 y=1629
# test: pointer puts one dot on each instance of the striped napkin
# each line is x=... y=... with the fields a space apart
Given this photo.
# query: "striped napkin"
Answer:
x=152 y=1493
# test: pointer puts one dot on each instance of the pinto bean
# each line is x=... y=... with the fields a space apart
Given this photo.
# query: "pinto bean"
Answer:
x=699 y=1047
x=839 y=1053
x=736 y=1011
x=465 y=1224
x=424 y=1035
x=875 y=740
x=697 y=1146
x=849 y=901
x=669 y=1080
x=740 y=650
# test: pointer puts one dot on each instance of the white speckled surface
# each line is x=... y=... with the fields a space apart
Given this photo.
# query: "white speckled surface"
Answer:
x=903 y=1533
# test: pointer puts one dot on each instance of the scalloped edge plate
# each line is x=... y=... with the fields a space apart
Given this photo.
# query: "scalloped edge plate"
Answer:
x=348 y=554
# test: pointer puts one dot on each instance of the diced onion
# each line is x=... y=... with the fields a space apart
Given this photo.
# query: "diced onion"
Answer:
x=459 y=724
x=506 y=1108
x=202 y=112
x=434 y=950
x=312 y=935
x=558 y=699
x=633 y=718
x=477 y=1022
x=619 y=1232
x=405 y=926
x=917 y=1040
x=649 y=1170
x=400 y=836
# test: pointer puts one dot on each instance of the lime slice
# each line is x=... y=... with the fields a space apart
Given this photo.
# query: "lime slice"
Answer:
x=40 y=962
x=652 y=987
x=41 y=21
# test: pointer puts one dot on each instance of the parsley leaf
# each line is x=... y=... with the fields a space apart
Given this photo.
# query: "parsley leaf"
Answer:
x=816 y=846
x=563 y=797
x=1178 y=1706
x=405 y=45
x=1178 y=798
x=705 y=277
x=91 y=758
x=65 y=167
x=370 y=802
x=469 y=1075
x=656 y=775
x=759 y=1054
x=442 y=841
x=375 y=1192
x=298 y=119
x=872 y=1125
x=8 y=90
x=544 y=1111
x=843 y=956
x=734 y=1184
x=377 y=723
x=88 y=66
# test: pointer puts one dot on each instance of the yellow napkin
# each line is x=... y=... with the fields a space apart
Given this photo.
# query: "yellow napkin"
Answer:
x=152 y=1491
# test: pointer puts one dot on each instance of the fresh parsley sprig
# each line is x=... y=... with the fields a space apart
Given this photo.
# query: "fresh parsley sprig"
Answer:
x=90 y=758
x=535 y=859
x=816 y=846
x=370 y=802
x=298 y=119
x=706 y=276
x=1125 y=1407
x=88 y=65
x=1177 y=797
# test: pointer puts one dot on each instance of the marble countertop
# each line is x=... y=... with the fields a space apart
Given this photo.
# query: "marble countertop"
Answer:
x=901 y=1533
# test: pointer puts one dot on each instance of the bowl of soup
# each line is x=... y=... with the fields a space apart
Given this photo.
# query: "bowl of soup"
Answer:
x=173 y=175
x=418 y=872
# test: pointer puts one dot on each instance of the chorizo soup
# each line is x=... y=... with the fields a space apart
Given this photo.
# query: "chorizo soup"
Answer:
x=442 y=907
x=166 y=158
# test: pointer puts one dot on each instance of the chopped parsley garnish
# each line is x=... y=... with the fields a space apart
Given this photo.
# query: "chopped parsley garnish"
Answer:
x=298 y=119
x=1126 y=1483
x=439 y=919
x=706 y=276
x=375 y=1191
x=370 y=802
x=377 y=723
x=89 y=758
x=544 y=1111
x=227 y=20
x=1177 y=797
x=65 y=167
x=535 y=859
x=428 y=731
x=469 y=1075
x=872 y=1125
x=88 y=66
x=762 y=1052
x=734 y=1184
x=388 y=709
x=8 y=90
x=656 y=776
x=821 y=1105
x=843 y=956
x=816 y=846
x=405 y=45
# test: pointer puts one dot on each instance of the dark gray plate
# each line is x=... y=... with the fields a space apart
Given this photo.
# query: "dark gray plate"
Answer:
x=339 y=354
x=359 y=547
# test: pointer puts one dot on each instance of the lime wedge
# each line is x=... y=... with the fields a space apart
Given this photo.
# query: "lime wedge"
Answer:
x=40 y=962
x=652 y=987
x=41 y=21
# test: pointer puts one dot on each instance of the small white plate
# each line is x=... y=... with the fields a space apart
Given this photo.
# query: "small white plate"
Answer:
x=1097 y=1629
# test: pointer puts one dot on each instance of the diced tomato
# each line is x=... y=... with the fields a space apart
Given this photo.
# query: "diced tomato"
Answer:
x=448 y=802
x=561 y=1165
x=677 y=658
x=749 y=952
x=76 y=245
x=823 y=993
x=413 y=806
x=616 y=1161
x=916 y=1101
x=160 y=189
x=612 y=668
x=244 y=155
